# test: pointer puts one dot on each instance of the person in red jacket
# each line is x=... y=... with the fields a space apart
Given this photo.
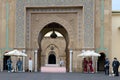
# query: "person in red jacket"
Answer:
x=90 y=65
x=85 y=63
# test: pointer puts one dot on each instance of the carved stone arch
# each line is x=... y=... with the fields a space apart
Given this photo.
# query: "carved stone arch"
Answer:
x=60 y=21
x=42 y=30
x=53 y=52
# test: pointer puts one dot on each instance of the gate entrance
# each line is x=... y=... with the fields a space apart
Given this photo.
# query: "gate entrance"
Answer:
x=101 y=61
x=52 y=59
x=5 y=67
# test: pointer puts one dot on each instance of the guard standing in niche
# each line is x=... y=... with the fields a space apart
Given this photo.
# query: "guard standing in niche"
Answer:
x=30 y=64
x=19 y=65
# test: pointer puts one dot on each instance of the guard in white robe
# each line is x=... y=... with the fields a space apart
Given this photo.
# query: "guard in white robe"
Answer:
x=30 y=64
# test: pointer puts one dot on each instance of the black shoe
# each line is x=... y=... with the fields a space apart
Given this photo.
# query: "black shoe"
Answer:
x=116 y=75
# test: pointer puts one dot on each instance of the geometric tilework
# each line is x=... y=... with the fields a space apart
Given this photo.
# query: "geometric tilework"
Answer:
x=20 y=24
x=89 y=24
x=88 y=18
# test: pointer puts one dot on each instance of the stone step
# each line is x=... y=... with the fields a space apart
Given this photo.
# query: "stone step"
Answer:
x=53 y=69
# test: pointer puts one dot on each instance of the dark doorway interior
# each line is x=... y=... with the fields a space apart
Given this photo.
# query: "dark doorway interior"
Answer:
x=52 y=59
x=5 y=62
x=101 y=61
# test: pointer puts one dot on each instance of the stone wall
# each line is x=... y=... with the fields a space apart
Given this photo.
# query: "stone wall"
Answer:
x=88 y=19
x=83 y=24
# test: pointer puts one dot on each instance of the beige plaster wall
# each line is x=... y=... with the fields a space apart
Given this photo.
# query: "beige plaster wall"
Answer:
x=12 y=13
x=0 y=20
x=116 y=35
x=106 y=25
x=3 y=23
x=107 y=42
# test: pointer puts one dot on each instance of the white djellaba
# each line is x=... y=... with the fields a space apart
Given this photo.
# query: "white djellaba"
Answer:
x=30 y=64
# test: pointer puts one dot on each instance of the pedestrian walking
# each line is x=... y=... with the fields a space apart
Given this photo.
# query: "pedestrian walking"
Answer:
x=115 y=65
x=107 y=63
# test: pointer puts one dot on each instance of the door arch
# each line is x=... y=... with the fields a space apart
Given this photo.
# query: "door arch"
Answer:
x=5 y=67
x=101 y=61
x=51 y=59
x=59 y=28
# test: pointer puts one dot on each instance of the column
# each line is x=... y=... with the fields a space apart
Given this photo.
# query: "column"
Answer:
x=70 y=66
x=1 y=60
x=35 y=54
x=1 y=65
x=23 y=61
x=23 y=64
x=96 y=65
x=93 y=63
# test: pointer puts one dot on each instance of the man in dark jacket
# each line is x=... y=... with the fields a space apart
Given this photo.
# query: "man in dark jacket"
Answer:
x=19 y=65
x=9 y=64
x=107 y=66
x=115 y=65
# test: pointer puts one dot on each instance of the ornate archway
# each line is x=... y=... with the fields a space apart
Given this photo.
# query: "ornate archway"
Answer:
x=59 y=28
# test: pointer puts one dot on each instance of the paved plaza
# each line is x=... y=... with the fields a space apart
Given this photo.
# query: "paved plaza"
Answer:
x=55 y=76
